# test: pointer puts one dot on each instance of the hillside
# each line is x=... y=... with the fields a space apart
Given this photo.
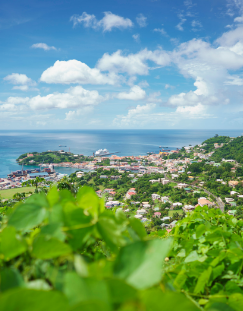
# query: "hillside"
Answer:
x=232 y=150
x=213 y=140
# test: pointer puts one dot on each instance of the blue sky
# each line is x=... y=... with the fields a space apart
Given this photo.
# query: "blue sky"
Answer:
x=121 y=64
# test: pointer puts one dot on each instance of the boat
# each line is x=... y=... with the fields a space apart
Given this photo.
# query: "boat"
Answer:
x=62 y=146
x=101 y=152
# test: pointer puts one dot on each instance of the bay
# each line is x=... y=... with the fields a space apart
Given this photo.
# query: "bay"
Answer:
x=126 y=142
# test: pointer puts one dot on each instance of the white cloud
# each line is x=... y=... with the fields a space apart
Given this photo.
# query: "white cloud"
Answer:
x=196 y=25
x=146 y=115
x=143 y=83
x=183 y=20
x=161 y=30
x=76 y=114
x=141 y=20
x=133 y=64
x=74 y=97
x=107 y=23
x=239 y=19
x=234 y=80
x=21 y=81
x=231 y=37
x=136 y=37
x=43 y=46
x=135 y=93
x=74 y=71
x=168 y=86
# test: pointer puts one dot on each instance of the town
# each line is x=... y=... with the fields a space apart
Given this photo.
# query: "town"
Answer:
x=159 y=189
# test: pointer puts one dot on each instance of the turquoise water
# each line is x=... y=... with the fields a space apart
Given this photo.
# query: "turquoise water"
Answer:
x=126 y=142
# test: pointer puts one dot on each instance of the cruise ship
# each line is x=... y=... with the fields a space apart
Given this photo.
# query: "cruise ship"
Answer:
x=101 y=152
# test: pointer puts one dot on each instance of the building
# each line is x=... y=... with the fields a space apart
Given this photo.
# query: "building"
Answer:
x=233 y=183
x=203 y=201
x=155 y=196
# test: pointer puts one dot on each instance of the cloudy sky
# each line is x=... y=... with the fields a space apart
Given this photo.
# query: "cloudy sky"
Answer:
x=117 y=64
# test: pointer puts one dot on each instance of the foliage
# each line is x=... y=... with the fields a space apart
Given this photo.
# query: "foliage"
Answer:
x=232 y=150
x=206 y=259
x=60 y=252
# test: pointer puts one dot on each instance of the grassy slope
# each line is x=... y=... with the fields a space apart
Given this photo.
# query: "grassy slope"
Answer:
x=8 y=194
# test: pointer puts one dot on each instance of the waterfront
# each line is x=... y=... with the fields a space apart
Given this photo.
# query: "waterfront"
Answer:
x=126 y=142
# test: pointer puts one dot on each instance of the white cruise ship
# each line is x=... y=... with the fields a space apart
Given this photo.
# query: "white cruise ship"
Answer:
x=101 y=152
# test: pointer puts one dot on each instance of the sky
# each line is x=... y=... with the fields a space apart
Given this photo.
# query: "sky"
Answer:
x=121 y=64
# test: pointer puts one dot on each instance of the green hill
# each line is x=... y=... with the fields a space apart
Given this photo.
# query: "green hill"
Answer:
x=232 y=150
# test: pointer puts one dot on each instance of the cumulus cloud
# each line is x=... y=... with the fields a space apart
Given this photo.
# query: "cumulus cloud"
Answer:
x=135 y=93
x=141 y=20
x=43 y=46
x=133 y=64
x=107 y=23
x=21 y=81
x=74 y=71
x=74 y=97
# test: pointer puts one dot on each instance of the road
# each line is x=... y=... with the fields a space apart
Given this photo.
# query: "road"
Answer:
x=219 y=201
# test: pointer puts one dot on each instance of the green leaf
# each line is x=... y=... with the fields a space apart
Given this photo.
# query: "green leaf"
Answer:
x=32 y=300
x=27 y=216
x=140 y=263
x=156 y=300
x=203 y=280
x=120 y=291
x=88 y=200
x=236 y=301
x=79 y=289
x=200 y=230
x=217 y=271
x=180 y=279
x=53 y=230
x=53 y=196
x=193 y=256
x=110 y=232
x=47 y=248
x=11 y=244
x=10 y=278
x=138 y=227
x=90 y=306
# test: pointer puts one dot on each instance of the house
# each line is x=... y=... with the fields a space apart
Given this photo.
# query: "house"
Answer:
x=188 y=190
x=233 y=183
x=177 y=204
x=146 y=205
x=131 y=175
x=172 y=224
x=233 y=192
x=138 y=216
x=99 y=192
x=165 y=181
x=114 y=177
x=166 y=218
x=130 y=193
x=155 y=196
x=181 y=185
x=164 y=199
x=203 y=201
x=103 y=176
x=232 y=212
x=141 y=211
x=227 y=200
x=157 y=214
x=154 y=180
x=232 y=203
x=188 y=208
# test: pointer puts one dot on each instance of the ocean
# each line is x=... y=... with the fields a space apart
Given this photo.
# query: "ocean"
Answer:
x=126 y=142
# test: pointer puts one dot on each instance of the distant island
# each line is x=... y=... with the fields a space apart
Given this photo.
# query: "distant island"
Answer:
x=36 y=158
